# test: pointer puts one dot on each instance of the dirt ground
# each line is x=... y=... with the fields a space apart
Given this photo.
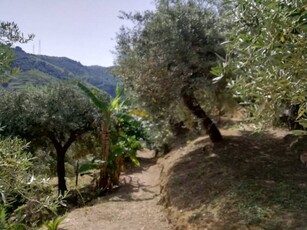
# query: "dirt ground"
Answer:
x=249 y=181
x=132 y=206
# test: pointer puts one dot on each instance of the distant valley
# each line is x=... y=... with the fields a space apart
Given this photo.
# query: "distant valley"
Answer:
x=41 y=69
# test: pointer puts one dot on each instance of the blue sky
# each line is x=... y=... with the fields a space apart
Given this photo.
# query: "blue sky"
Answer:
x=83 y=30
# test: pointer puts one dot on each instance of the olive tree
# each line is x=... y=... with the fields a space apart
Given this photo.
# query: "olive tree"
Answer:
x=14 y=174
x=57 y=113
x=167 y=56
x=9 y=34
x=267 y=55
x=25 y=198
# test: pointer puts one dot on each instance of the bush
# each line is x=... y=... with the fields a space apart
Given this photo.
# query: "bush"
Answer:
x=15 y=177
x=25 y=199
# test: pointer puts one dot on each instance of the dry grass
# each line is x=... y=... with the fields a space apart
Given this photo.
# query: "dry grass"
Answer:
x=250 y=181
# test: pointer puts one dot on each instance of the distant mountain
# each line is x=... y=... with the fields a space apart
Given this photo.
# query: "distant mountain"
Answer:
x=41 y=69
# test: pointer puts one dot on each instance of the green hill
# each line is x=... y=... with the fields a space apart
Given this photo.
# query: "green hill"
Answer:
x=41 y=69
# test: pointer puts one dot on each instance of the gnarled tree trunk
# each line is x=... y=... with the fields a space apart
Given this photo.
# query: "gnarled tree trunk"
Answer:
x=192 y=104
x=61 y=151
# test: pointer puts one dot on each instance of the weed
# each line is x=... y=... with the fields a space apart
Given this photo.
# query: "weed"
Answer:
x=54 y=223
x=6 y=225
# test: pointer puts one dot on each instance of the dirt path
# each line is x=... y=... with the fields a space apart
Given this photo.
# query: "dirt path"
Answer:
x=133 y=206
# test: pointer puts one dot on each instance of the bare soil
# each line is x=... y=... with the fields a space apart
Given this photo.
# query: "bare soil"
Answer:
x=249 y=181
x=132 y=206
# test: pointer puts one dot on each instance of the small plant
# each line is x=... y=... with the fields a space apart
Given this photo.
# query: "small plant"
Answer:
x=54 y=223
x=121 y=134
x=25 y=200
x=5 y=224
x=3 y=217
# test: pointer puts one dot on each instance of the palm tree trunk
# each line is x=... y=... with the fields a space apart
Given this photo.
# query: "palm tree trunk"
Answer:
x=192 y=104
x=105 y=138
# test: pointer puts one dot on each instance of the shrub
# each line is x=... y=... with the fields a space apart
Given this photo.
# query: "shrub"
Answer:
x=25 y=199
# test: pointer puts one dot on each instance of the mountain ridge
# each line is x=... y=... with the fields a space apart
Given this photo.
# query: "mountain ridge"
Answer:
x=52 y=68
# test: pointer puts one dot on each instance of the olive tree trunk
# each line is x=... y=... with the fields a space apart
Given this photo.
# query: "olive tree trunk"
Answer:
x=61 y=172
x=193 y=105
x=61 y=152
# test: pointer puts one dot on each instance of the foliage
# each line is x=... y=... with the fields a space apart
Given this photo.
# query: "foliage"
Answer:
x=127 y=132
x=90 y=163
x=120 y=133
x=9 y=34
x=6 y=57
x=7 y=225
x=24 y=79
x=170 y=48
x=43 y=206
x=126 y=137
x=18 y=185
x=54 y=224
x=55 y=114
x=25 y=199
x=14 y=170
x=267 y=55
x=57 y=109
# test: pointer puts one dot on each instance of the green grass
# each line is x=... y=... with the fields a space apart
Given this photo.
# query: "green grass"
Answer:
x=34 y=77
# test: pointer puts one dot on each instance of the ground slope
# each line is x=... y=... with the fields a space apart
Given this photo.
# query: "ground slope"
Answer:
x=132 y=206
x=249 y=181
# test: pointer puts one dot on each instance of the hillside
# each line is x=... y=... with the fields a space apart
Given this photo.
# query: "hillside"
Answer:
x=250 y=181
x=41 y=69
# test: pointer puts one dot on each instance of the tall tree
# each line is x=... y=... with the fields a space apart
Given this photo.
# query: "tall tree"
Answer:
x=267 y=54
x=167 y=56
x=56 y=114
x=107 y=109
x=120 y=135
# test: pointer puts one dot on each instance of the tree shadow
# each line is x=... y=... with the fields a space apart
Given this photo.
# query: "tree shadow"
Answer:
x=130 y=188
x=145 y=163
x=239 y=177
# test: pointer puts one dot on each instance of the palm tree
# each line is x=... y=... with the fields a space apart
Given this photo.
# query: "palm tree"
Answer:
x=108 y=110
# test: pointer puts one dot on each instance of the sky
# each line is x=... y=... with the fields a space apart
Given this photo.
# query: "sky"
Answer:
x=82 y=30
